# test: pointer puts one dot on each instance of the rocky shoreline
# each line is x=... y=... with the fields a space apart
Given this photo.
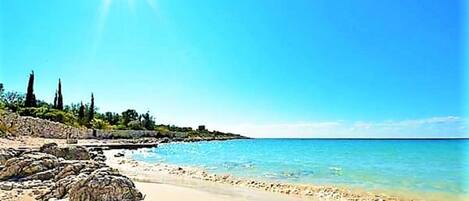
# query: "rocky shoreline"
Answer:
x=61 y=173
x=137 y=170
x=76 y=173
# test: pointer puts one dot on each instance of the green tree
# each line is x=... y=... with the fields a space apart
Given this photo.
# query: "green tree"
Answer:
x=2 y=104
x=128 y=116
x=99 y=124
x=81 y=113
x=91 y=109
x=13 y=100
x=148 y=121
x=30 y=97
x=1 y=89
x=60 y=104
x=112 y=118
x=55 y=100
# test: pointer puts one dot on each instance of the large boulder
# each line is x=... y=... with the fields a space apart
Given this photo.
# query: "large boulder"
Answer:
x=76 y=180
x=70 y=172
x=68 y=153
x=27 y=164
x=105 y=184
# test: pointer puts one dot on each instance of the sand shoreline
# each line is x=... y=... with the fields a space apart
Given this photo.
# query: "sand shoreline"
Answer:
x=194 y=178
x=176 y=183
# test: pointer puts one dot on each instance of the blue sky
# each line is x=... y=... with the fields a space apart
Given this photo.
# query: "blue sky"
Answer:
x=262 y=68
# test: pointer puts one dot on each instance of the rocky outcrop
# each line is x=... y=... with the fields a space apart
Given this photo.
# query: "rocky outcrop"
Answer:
x=6 y=154
x=104 y=184
x=64 y=173
x=69 y=152
x=27 y=165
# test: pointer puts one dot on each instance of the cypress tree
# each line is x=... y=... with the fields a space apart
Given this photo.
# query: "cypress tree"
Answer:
x=81 y=113
x=60 y=104
x=30 y=97
x=91 y=114
x=55 y=100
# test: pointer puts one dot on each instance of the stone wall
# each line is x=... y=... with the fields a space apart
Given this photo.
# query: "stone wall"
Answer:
x=31 y=126
x=105 y=134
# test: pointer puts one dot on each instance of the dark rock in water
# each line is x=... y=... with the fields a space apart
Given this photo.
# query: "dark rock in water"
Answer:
x=120 y=154
x=104 y=184
x=165 y=140
x=69 y=153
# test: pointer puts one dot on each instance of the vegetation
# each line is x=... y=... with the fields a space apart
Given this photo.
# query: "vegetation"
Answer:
x=5 y=128
x=30 y=97
x=91 y=110
x=87 y=115
x=58 y=100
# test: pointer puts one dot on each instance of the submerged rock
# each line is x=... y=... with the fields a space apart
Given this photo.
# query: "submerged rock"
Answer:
x=120 y=154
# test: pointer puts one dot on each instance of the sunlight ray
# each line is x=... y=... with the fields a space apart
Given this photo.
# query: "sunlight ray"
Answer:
x=103 y=13
x=152 y=4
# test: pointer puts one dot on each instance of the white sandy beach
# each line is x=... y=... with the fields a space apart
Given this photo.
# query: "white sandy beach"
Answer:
x=168 y=192
x=169 y=182
x=156 y=184
x=176 y=183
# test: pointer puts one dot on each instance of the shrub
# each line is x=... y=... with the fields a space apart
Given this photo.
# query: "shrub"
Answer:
x=120 y=127
x=99 y=124
x=135 y=125
x=12 y=100
x=5 y=129
x=50 y=114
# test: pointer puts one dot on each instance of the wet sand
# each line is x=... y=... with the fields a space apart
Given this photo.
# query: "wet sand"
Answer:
x=197 y=182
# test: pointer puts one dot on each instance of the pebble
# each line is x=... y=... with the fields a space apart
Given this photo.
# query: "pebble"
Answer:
x=6 y=186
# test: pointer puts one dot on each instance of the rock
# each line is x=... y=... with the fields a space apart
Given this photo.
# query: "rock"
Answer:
x=72 y=141
x=120 y=154
x=6 y=154
x=6 y=186
x=53 y=175
x=104 y=184
x=28 y=164
x=45 y=175
x=69 y=153
x=97 y=154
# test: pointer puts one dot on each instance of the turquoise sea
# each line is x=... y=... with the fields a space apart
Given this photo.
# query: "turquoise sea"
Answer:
x=418 y=166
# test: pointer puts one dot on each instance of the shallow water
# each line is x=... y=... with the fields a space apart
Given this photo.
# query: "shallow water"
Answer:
x=418 y=166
